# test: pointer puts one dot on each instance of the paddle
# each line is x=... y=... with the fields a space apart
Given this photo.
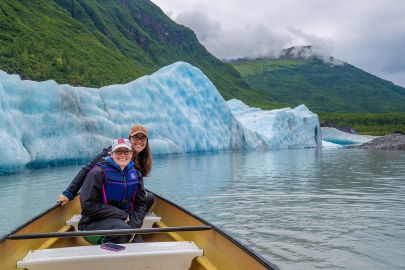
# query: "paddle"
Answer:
x=107 y=232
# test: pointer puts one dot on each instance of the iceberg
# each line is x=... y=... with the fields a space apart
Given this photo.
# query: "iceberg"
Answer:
x=48 y=123
x=281 y=128
x=326 y=144
x=335 y=136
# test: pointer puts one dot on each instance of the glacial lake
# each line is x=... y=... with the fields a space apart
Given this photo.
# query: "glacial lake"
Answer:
x=300 y=209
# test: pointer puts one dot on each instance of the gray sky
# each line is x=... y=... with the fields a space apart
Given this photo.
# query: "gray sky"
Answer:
x=369 y=34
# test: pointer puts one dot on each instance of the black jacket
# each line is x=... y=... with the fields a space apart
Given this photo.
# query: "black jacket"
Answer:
x=77 y=182
x=94 y=209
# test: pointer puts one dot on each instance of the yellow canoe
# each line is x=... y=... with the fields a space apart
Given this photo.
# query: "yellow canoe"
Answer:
x=221 y=252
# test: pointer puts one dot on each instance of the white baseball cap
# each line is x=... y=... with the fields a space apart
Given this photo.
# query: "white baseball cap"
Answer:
x=121 y=142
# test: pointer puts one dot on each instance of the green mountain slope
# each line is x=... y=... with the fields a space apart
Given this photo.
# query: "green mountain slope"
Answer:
x=100 y=42
x=322 y=86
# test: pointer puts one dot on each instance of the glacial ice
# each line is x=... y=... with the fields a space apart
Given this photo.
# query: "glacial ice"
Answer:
x=44 y=122
x=335 y=136
x=281 y=128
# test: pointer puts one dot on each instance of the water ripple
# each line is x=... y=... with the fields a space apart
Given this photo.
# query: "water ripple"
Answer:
x=301 y=209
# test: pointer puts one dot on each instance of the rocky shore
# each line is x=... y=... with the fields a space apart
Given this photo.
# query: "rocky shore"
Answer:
x=395 y=141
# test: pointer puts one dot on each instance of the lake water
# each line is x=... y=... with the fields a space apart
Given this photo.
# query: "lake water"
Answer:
x=300 y=209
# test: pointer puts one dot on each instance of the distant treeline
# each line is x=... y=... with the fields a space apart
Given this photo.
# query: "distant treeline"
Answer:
x=368 y=123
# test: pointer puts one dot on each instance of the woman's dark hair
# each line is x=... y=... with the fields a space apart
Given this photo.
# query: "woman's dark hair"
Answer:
x=144 y=161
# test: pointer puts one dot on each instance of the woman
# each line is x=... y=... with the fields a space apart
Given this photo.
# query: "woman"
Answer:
x=141 y=157
x=109 y=198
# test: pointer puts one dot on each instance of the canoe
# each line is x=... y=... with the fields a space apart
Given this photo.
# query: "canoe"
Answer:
x=220 y=251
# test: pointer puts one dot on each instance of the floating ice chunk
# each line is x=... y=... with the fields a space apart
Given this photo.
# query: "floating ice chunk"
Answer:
x=326 y=144
x=336 y=136
x=281 y=128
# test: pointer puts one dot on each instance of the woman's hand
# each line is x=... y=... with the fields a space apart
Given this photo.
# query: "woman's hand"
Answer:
x=127 y=220
x=63 y=200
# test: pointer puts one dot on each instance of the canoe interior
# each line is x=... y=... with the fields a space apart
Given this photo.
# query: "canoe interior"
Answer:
x=220 y=251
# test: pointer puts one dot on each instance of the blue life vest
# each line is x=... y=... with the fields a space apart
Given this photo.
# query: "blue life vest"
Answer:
x=120 y=186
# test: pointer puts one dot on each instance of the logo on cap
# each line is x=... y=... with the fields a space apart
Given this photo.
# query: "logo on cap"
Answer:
x=121 y=140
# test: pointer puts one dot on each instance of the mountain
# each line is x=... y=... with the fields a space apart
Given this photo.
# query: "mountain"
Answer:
x=101 y=42
x=324 y=84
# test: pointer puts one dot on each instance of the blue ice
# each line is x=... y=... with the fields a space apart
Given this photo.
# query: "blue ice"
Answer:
x=45 y=122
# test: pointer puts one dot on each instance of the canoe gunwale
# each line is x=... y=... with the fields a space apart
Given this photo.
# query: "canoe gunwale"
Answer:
x=259 y=258
x=252 y=253
x=4 y=238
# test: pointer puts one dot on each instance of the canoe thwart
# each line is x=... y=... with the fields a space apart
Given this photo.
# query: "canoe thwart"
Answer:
x=142 y=256
x=150 y=219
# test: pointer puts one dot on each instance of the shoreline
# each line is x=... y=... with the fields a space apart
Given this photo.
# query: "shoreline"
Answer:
x=394 y=141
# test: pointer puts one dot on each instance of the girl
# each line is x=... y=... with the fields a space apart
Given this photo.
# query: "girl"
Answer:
x=141 y=156
x=109 y=198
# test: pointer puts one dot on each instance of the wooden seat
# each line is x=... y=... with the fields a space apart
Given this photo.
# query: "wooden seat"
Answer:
x=139 y=256
x=148 y=221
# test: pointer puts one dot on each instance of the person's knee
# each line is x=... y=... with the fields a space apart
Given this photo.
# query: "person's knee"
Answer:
x=120 y=224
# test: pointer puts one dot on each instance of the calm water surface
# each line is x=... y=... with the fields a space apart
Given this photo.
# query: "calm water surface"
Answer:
x=300 y=209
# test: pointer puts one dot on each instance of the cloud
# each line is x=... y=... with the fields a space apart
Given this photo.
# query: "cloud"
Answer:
x=321 y=46
x=204 y=27
x=247 y=40
x=366 y=33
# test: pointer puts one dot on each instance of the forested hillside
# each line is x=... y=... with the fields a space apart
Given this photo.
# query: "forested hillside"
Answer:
x=323 y=86
x=101 y=42
x=368 y=123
